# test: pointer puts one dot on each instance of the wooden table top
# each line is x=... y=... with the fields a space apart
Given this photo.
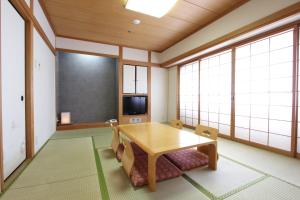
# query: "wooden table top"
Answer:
x=156 y=138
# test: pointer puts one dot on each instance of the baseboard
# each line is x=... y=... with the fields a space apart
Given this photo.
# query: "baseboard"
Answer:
x=81 y=126
x=261 y=146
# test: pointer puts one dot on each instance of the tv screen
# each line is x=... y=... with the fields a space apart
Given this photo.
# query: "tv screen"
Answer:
x=134 y=105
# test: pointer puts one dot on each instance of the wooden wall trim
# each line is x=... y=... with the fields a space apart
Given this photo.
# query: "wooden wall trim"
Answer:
x=99 y=42
x=149 y=85
x=31 y=5
x=27 y=14
x=1 y=130
x=140 y=63
x=290 y=10
x=85 y=52
x=178 y=92
x=120 y=79
x=82 y=126
x=295 y=91
x=29 y=103
x=232 y=119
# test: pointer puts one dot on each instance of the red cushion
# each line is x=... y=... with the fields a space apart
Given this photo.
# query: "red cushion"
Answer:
x=164 y=170
x=137 y=150
x=187 y=159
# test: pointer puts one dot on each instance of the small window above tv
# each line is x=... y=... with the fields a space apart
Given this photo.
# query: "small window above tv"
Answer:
x=134 y=105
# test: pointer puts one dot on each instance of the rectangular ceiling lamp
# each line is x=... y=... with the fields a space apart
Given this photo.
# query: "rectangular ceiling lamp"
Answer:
x=155 y=8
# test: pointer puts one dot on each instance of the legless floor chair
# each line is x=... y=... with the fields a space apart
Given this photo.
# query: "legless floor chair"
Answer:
x=176 y=124
x=136 y=167
x=208 y=132
x=118 y=147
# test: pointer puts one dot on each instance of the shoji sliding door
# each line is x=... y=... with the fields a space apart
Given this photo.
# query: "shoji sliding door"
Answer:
x=189 y=94
x=263 y=91
x=215 y=91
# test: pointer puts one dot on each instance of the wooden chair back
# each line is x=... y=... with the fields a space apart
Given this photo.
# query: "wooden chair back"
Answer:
x=206 y=131
x=176 y=124
x=127 y=157
x=115 y=139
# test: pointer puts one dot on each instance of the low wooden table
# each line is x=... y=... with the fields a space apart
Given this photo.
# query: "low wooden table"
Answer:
x=157 y=139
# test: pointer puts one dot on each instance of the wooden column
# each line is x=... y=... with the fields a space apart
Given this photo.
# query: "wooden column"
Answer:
x=120 y=83
x=29 y=99
x=149 y=85
x=295 y=93
x=232 y=114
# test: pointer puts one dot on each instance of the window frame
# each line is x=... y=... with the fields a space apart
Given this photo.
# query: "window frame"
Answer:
x=294 y=126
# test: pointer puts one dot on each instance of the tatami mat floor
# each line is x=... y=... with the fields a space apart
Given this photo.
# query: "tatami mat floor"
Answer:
x=79 y=165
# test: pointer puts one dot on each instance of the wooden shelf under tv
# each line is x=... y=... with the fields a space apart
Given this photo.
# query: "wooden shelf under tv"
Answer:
x=126 y=95
x=125 y=118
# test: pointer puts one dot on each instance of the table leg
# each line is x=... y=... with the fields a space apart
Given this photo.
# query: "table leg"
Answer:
x=152 y=172
x=212 y=156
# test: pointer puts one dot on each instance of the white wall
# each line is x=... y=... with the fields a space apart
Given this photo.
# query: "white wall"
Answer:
x=155 y=57
x=159 y=94
x=172 y=93
x=44 y=91
x=242 y=16
x=42 y=19
x=135 y=54
x=91 y=47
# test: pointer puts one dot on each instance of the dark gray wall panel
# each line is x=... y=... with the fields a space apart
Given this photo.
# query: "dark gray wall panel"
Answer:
x=87 y=87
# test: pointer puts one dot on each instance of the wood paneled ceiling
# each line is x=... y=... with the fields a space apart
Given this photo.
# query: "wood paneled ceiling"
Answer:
x=109 y=22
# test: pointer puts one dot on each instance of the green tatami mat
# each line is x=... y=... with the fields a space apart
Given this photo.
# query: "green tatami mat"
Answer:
x=59 y=160
x=80 y=133
x=86 y=188
x=227 y=178
x=120 y=188
x=280 y=166
x=103 y=140
x=268 y=189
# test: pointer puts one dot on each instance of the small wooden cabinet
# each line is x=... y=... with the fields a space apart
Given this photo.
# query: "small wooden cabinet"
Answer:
x=134 y=79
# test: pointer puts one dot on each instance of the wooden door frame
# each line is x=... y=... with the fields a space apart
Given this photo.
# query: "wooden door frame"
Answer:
x=22 y=8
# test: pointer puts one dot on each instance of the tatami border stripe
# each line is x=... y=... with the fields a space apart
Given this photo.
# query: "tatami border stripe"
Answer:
x=270 y=175
x=247 y=166
x=101 y=178
x=210 y=195
x=199 y=187
x=243 y=187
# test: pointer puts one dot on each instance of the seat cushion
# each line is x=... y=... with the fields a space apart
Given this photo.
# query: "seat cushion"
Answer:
x=120 y=152
x=187 y=159
x=164 y=170
x=137 y=150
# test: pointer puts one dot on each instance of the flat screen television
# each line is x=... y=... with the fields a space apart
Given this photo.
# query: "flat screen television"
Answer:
x=134 y=105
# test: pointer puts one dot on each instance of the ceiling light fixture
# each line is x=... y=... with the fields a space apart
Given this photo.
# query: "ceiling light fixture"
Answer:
x=155 y=8
x=136 y=21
